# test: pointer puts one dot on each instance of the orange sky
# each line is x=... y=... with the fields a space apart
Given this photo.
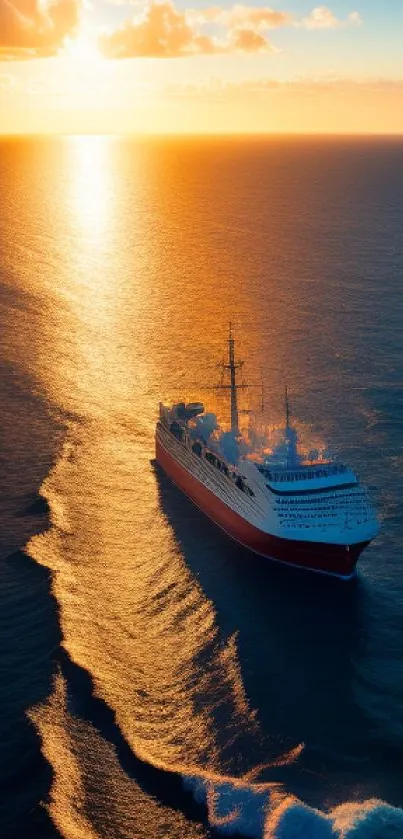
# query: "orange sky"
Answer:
x=157 y=66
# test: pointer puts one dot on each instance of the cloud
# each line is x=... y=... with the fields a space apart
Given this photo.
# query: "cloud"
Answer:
x=323 y=18
x=34 y=28
x=262 y=88
x=31 y=28
x=239 y=15
x=162 y=31
x=247 y=40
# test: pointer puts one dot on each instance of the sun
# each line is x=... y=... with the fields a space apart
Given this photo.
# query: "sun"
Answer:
x=83 y=49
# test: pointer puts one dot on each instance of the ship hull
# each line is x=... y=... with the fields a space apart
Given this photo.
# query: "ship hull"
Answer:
x=336 y=560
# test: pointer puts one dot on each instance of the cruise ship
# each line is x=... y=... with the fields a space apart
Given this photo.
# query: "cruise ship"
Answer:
x=312 y=515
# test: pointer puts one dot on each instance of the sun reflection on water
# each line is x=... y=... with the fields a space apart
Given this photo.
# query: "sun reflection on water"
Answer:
x=92 y=193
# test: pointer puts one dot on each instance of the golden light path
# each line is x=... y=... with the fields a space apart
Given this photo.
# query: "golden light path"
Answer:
x=91 y=188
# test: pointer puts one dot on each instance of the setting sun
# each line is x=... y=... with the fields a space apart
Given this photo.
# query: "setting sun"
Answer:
x=82 y=48
x=171 y=66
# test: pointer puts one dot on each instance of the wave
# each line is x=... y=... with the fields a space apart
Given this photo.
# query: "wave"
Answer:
x=183 y=733
x=225 y=806
x=268 y=812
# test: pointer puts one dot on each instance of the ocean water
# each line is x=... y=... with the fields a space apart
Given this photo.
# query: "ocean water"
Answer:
x=156 y=680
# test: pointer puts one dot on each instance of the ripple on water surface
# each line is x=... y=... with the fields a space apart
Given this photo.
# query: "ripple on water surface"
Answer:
x=121 y=265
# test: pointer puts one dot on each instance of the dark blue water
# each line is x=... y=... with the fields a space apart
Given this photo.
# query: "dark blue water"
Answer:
x=156 y=680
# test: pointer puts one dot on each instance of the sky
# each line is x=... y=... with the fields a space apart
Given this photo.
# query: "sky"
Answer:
x=201 y=66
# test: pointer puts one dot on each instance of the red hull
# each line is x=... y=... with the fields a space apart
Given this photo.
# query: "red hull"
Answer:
x=313 y=556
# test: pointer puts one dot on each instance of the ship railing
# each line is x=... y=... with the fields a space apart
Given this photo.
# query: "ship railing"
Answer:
x=286 y=476
x=230 y=472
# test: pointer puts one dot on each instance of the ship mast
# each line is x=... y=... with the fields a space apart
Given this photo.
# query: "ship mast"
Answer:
x=287 y=408
x=232 y=366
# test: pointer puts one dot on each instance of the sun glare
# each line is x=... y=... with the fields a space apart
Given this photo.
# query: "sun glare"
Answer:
x=82 y=49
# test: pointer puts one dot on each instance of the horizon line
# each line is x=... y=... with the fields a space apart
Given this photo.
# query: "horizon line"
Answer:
x=199 y=134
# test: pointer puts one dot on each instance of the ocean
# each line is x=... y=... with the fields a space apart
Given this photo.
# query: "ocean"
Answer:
x=157 y=681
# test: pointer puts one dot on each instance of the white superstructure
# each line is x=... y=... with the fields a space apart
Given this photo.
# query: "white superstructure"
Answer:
x=315 y=515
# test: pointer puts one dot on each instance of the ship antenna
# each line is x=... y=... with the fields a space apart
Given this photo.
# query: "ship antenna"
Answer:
x=261 y=392
x=232 y=366
x=287 y=427
x=287 y=408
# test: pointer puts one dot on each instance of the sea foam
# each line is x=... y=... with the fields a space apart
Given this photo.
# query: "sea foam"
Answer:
x=265 y=811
